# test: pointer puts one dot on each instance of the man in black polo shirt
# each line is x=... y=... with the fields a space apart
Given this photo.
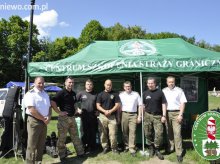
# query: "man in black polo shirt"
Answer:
x=63 y=104
x=154 y=115
x=87 y=103
x=107 y=103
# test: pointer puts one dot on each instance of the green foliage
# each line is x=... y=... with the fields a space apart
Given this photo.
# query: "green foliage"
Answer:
x=117 y=32
x=92 y=31
x=136 y=32
x=216 y=48
x=14 y=35
x=203 y=44
x=59 y=49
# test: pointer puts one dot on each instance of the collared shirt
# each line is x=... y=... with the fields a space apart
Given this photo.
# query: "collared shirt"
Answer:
x=38 y=99
x=130 y=101
x=66 y=100
x=175 y=97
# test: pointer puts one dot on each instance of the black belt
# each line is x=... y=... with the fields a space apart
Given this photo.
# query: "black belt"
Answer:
x=173 y=110
x=130 y=112
x=154 y=113
x=34 y=117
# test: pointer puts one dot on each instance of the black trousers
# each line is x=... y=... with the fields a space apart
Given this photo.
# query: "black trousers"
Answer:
x=90 y=128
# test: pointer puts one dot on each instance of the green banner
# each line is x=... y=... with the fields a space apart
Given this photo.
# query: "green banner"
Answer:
x=107 y=57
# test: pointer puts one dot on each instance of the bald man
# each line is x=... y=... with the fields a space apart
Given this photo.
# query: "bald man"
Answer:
x=108 y=103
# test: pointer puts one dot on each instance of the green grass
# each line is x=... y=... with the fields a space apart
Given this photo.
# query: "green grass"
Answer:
x=191 y=156
x=214 y=102
x=122 y=158
x=125 y=158
x=52 y=127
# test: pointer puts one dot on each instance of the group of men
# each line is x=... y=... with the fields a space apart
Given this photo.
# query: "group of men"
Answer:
x=158 y=108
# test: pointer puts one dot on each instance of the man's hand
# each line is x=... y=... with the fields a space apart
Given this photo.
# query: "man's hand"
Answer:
x=139 y=120
x=63 y=113
x=79 y=111
x=107 y=113
x=46 y=120
x=180 y=119
x=163 y=119
x=97 y=113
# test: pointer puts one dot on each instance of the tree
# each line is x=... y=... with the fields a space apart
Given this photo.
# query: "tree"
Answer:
x=92 y=31
x=203 y=44
x=136 y=32
x=59 y=49
x=14 y=34
x=117 y=32
x=216 y=48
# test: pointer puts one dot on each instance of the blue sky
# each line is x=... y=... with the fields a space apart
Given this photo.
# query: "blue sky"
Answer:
x=199 y=18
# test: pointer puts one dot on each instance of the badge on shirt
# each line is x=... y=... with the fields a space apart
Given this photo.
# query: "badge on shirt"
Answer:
x=148 y=97
x=112 y=96
x=84 y=97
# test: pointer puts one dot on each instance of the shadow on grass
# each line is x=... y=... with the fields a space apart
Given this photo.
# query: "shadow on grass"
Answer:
x=79 y=160
x=75 y=160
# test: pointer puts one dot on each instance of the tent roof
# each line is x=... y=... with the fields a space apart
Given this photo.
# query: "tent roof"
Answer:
x=13 y=83
x=49 y=88
x=135 y=55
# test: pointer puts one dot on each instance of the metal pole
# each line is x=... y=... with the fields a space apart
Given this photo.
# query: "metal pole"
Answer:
x=143 y=152
x=142 y=114
x=27 y=79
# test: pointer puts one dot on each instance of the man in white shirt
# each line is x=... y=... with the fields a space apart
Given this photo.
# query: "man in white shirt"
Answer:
x=130 y=102
x=39 y=113
x=176 y=100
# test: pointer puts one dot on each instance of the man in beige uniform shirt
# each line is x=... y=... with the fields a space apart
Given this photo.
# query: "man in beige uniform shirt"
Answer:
x=130 y=104
x=175 y=108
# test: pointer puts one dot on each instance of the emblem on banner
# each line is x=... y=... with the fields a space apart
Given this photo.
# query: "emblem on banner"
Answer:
x=206 y=135
x=138 y=48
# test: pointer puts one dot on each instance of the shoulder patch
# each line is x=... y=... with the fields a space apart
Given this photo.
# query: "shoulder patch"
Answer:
x=32 y=90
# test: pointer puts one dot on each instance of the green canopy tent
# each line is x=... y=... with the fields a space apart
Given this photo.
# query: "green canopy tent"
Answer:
x=132 y=59
x=107 y=57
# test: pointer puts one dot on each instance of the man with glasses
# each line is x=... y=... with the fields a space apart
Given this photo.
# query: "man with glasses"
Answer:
x=64 y=104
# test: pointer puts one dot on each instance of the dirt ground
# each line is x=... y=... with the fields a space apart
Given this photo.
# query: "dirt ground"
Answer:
x=154 y=160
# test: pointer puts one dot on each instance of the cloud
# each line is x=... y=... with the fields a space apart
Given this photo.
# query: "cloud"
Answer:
x=45 y=21
x=64 y=24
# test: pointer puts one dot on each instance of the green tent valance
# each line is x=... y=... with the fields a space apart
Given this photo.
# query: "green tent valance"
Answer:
x=135 y=55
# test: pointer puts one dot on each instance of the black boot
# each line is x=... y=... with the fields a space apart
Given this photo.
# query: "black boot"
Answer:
x=179 y=158
x=158 y=154
x=151 y=151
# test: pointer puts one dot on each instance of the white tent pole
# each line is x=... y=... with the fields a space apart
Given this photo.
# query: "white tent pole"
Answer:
x=142 y=113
